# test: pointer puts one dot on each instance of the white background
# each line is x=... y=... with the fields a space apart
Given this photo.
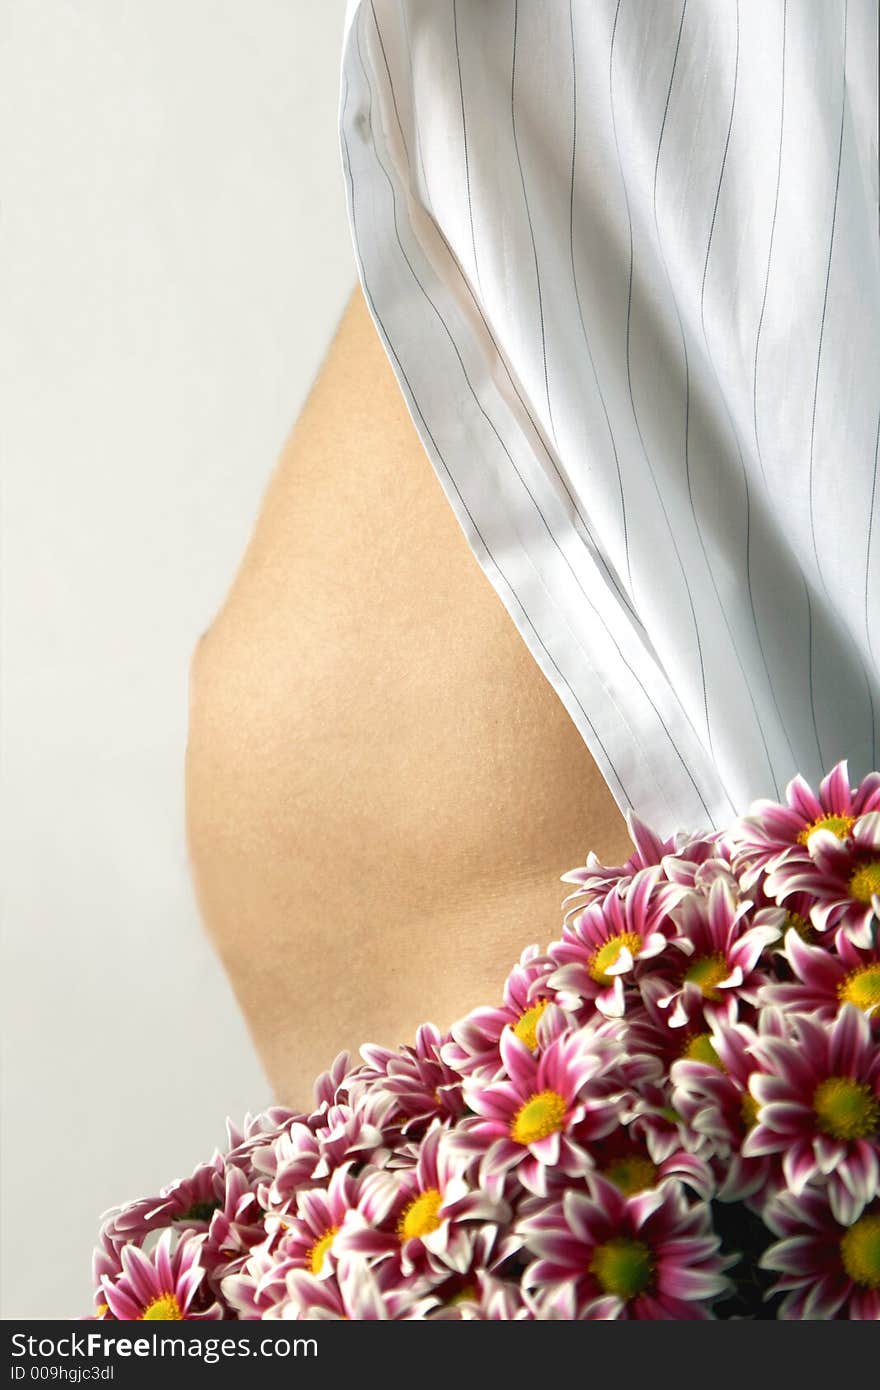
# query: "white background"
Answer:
x=174 y=256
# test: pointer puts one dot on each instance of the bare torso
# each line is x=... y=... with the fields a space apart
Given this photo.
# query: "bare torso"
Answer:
x=383 y=790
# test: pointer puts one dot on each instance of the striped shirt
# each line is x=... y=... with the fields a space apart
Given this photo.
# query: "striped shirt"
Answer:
x=624 y=259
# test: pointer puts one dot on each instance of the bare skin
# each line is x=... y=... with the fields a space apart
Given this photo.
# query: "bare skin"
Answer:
x=382 y=788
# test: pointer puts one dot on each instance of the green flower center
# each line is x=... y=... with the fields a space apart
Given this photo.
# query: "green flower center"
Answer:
x=422 y=1216
x=748 y=1110
x=700 y=1049
x=838 y=825
x=706 y=973
x=860 y=1252
x=526 y=1029
x=165 y=1308
x=542 y=1114
x=845 y=1109
x=622 y=1267
x=199 y=1211
x=861 y=988
x=609 y=955
x=865 y=882
x=631 y=1174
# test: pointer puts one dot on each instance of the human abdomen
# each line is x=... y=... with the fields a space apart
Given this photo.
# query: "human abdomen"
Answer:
x=382 y=788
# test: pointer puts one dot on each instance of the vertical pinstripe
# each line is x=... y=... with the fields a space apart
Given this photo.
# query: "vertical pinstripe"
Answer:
x=608 y=360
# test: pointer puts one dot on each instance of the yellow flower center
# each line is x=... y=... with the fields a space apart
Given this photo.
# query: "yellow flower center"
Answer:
x=706 y=973
x=101 y=1309
x=609 y=955
x=468 y=1294
x=860 y=1252
x=838 y=825
x=865 y=882
x=165 y=1308
x=317 y=1254
x=542 y=1114
x=421 y=1216
x=701 y=1049
x=861 y=988
x=845 y=1109
x=632 y=1174
x=526 y=1028
x=748 y=1110
x=622 y=1267
x=802 y=925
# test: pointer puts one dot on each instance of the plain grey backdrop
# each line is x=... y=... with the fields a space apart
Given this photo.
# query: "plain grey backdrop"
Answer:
x=174 y=257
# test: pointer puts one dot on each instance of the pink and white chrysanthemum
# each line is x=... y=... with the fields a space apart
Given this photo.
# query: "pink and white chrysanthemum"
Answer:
x=487 y=1299
x=601 y=944
x=473 y=1041
x=771 y=831
x=594 y=879
x=824 y=980
x=711 y=1095
x=604 y=1255
x=340 y=1084
x=235 y=1228
x=677 y=858
x=286 y=1166
x=818 y=1096
x=355 y=1292
x=255 y=1133
x=186 y=1204
x=258 y=1287
x=828 y=1270
x=721 y=940
x=309 y=1229
x=162 y=1286
x=362 y=1132
x=544 y=1112
x=419 y=1085
x=624 y=1159
x=425 y=1218
x=841 y=878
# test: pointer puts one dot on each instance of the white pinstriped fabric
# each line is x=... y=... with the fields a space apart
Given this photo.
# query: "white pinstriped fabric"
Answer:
x=624 y=258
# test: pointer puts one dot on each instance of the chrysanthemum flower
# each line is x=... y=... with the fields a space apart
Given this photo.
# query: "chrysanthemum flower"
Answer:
x=594 y=879
x=772 y=831
x=186 y=1204
x=486 y=1299
x=600 y=946
x=826 y=979
x=473 y=1044
x=711 y=1095
x=721 y=940
x=356 y=1292
x=361 y=1132
x=338 y=1085
x=818 y=1096
x=161 y=1286
x=287 y=1165
x=255 y=1133
x=624 y=1159
x=545 y=1111
x=828 y=1269
x=649 y=1256
x=840 y=877
x=310 y=1228
x=420 y=1086
x=709 y=1021
x=425 y=1218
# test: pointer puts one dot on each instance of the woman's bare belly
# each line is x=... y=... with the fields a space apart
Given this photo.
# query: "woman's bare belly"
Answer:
x=382 y=788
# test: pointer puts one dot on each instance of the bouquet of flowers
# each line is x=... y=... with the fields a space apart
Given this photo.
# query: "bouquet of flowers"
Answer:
x=674 y=1113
